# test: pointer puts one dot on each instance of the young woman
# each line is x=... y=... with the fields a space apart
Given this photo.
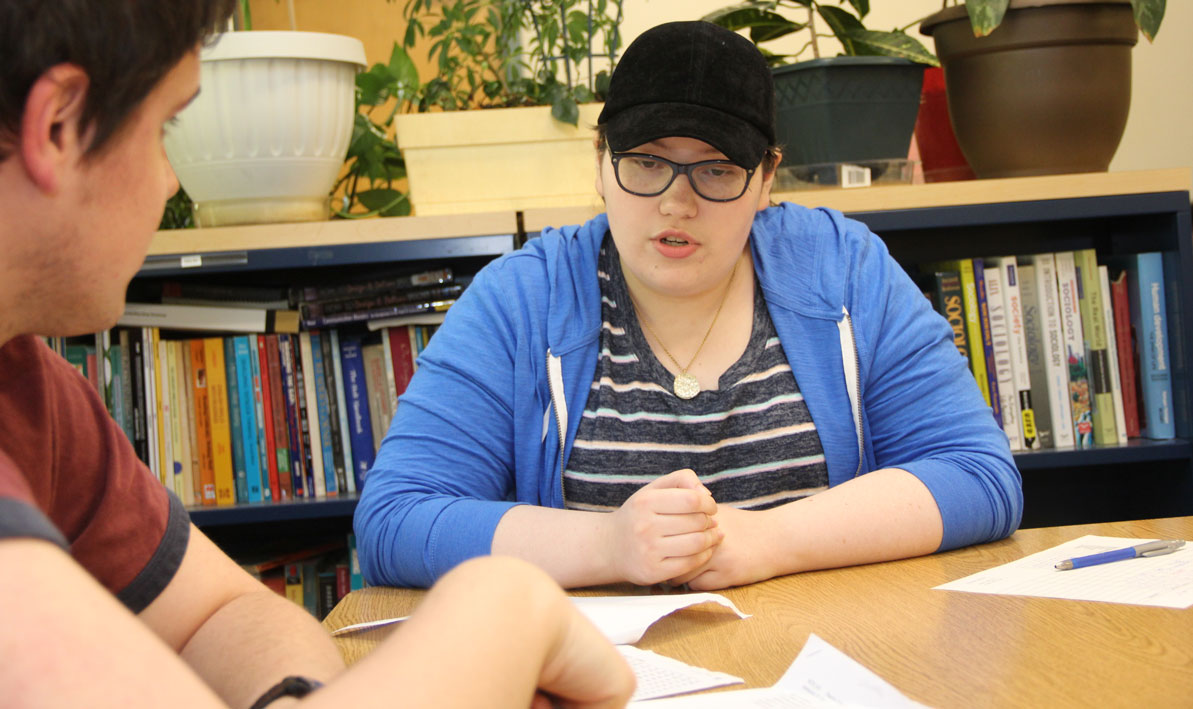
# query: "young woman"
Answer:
x=693 y=387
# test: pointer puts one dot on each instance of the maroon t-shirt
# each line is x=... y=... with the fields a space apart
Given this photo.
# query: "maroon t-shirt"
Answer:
x=69 y=475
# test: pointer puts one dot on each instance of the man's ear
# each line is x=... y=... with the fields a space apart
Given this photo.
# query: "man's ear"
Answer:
x=51 y=127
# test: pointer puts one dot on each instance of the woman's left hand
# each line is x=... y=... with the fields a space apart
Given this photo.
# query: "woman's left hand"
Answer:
x=742 y=557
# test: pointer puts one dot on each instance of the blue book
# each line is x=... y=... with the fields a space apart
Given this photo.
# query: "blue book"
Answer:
x=242 y=490
x=256 y=348
x=360 y=424
x=987 y=339
x=1177 y=352
x=248 y=415
x=345 y=441
x=1149 y=325
x=323 y=412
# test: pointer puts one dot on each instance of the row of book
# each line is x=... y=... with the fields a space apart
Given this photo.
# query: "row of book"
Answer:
x=1067 y=351
x=314 y=577
x=236 y=307
x=231 y=419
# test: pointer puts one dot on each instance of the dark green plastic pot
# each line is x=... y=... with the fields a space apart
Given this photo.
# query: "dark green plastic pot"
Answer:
x=846 y=109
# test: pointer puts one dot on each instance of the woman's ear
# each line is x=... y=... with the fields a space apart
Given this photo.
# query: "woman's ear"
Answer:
x=52 y=127
x=768 y=178
x=599 y=183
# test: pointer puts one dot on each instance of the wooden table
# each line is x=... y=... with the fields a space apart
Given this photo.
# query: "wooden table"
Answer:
x=942 y=648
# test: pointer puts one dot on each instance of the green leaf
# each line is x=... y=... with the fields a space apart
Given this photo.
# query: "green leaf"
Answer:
x=1148 y=14
x=891 y=44
x=985 y=15
x=843 y=25
x=566 y=110
x=740 y=17
x=861 y=7
x=402 y=68
x=373 y=85
x=385 y=201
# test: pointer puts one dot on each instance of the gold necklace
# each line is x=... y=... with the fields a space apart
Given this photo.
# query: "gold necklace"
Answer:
x=685 y=385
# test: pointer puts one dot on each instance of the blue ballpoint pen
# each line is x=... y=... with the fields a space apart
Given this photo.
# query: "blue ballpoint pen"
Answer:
x=1149 y=549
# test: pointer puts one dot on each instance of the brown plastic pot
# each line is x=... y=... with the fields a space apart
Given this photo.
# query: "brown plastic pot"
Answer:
x=1047 y=92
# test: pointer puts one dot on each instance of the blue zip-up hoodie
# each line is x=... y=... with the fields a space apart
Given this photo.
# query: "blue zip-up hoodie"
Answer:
x=489 y=419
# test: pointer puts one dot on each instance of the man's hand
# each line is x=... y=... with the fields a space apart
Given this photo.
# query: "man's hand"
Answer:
x=664 y=530
x=740 y=558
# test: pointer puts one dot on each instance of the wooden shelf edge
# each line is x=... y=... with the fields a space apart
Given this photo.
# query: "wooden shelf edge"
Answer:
x=339 y=231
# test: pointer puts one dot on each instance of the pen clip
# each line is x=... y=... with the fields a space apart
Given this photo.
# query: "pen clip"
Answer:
x=1169 y=547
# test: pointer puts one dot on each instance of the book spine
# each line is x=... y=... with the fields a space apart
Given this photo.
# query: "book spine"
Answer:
x=188 y=390
x=346 y=480
x=221 y=432
x=996 y=308
x=1175 y=337
x=1025 y=401
x=293 y=422
x=403 y=356
x=1120 y=417
x=973 y=327
x=1126 y=352
x=1033 y=342
x=979 y=277
x=164 y=416
x=149 y=345
x=1097 y=360
x=317 y=421
x=1150 y=316
x=294 y=583
x=374 y=361
x=301 y=375
x=1070 y=315
x=360 y=425
x=381 y=285
x=119 y=385
x=337 y=477
x=184 y=431
x=103 y=354
x=1055 y=363
x=126 y=393
x=266 y=465
x=209 y=318
x=323 y=412
x=235 y=423
x=283 y=486
x=248 y=415
x=391 y=385
x=171 y=406
x=203 y=421
x=356 y=580
x=949 y=303
x=138 y=394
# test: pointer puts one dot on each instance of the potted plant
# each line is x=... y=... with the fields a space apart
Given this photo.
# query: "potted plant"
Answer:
x=266 y=138
x=530 y=65
x=857 y=107
x=1040 y=86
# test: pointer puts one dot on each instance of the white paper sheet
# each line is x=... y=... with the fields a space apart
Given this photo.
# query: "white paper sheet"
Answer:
x=661 y=676
x=1165 y=581
x=624 y=619
x=821 y=676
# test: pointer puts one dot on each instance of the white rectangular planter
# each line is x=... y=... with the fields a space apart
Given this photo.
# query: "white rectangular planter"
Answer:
x=498 y=159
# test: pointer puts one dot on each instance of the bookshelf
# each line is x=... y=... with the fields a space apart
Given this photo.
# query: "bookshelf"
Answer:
x=1114 y=213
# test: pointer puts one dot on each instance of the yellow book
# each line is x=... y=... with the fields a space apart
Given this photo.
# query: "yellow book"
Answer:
x=1097 y=347
x=221 y=433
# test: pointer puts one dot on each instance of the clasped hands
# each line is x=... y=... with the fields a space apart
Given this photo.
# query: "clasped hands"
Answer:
x=672 y=530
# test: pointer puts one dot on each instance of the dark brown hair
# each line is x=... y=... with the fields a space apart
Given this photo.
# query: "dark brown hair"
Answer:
x=125 y=46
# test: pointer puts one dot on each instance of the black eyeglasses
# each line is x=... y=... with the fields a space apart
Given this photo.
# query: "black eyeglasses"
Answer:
x=648 y=175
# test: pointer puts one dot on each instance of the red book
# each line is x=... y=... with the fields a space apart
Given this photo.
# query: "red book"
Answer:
x=267 y=418
x=403 y=356
x=1119 y=299
x=281 y=432
x=343 y=580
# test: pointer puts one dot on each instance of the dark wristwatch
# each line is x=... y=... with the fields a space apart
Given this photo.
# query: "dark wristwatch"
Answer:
x=293 y=686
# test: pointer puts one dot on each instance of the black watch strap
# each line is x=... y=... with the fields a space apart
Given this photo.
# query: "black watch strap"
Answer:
x=293 y=686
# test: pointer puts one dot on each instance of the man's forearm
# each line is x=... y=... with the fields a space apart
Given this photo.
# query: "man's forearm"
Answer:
x=255 y=640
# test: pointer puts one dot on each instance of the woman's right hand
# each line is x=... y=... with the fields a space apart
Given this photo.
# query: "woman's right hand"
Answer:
x=664 y=530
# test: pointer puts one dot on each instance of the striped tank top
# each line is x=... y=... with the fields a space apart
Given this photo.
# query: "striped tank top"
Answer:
x=752 y=441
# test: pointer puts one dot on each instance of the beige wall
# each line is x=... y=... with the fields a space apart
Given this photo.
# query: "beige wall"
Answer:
x=1160 y=128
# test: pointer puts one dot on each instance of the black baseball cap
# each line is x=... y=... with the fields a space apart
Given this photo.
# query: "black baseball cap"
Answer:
x=693 y=80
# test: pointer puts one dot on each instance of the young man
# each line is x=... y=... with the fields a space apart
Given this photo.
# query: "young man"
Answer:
x=111 y=597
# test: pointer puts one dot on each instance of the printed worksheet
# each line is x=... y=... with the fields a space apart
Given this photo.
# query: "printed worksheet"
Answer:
x=662 y=676
x=1165 y=581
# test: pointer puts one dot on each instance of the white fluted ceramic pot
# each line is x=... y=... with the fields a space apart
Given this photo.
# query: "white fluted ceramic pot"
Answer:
x=266 y=138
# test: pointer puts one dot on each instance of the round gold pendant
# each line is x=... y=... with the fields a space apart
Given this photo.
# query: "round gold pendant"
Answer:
x=685 y=386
